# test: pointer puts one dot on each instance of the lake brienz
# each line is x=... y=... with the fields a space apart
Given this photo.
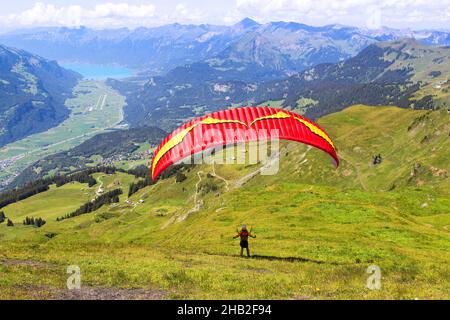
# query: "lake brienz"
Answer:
x=98 y=72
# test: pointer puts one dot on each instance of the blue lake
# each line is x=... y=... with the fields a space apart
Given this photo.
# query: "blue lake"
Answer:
x=98 y=72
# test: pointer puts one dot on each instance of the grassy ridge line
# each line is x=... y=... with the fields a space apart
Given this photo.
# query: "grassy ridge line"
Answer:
x=403 y=138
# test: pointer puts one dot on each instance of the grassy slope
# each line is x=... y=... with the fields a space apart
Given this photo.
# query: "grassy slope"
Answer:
x=403 y=138
x=338 y=221
x=423 y=60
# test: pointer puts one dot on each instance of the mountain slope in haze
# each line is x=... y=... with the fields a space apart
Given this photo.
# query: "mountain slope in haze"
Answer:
x=429 y=37
x=318 y=229
x=391 y=73
x=156 y=49
x=32 y=94
x=285 y=47
x=291 y=47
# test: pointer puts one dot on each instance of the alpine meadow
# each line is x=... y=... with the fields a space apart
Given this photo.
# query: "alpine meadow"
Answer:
x=96 y=170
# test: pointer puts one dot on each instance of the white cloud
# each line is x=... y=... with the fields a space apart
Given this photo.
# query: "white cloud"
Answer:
x=417 y=14
x=101 y=15
x=181 y=8
x=183 y=13
x=362 y=13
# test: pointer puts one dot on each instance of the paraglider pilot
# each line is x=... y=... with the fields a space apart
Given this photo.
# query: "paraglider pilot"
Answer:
x=244 y=234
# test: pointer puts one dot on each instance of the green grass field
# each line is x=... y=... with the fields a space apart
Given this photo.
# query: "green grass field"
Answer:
x=318 y=229
x=94 y=108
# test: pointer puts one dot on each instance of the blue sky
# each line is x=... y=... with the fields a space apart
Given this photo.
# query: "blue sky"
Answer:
x=413 y=14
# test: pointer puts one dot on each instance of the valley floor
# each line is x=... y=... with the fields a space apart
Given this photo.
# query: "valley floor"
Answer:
x=94 y=108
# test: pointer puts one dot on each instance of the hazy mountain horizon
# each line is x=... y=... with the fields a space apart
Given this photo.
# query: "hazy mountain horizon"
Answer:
x=245 y=20
x=280 y=45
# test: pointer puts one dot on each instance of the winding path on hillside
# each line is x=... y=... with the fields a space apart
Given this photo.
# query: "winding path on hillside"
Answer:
x=272 y=159
x=197 y=203
x=358 y=173
x=98 y=192
x=214 y=174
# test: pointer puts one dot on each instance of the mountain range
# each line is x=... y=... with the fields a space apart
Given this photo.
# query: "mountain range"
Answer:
x=403 y=73
x=283 y=47
x=400 y=73
x=189 y=70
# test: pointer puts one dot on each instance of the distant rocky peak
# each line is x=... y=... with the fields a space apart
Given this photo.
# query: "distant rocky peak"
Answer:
x=247 y=23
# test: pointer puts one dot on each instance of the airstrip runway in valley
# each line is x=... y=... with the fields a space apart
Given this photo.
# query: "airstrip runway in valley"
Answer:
x=94 y=108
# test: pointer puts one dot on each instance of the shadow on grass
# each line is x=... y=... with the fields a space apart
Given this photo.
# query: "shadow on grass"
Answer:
x=289 y=259
x=274 y=258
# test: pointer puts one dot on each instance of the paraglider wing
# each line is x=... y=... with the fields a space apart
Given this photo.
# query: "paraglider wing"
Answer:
x=238 y=125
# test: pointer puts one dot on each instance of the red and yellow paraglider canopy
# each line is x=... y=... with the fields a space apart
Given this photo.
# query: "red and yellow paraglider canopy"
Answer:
x=246 y=124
